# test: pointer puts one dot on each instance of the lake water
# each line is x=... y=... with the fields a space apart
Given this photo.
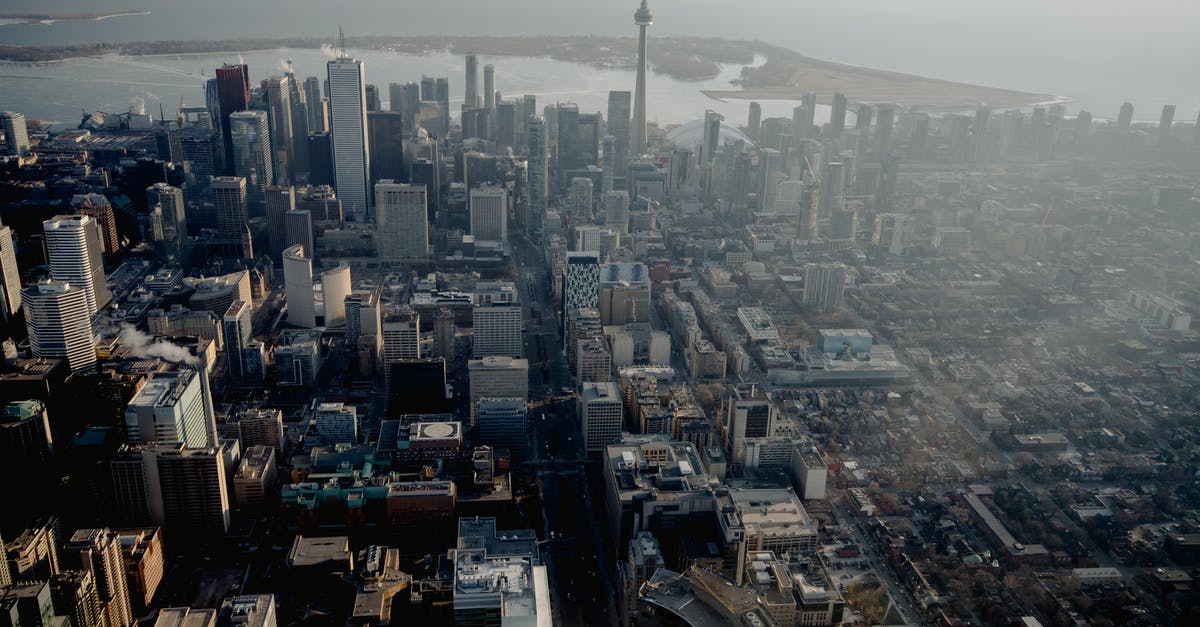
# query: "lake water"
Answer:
x=59 y=91
x=1101 y=52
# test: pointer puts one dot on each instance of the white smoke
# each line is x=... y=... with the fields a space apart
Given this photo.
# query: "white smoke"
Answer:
x=284 y=65
x=241 y=59
x=137 y=104
x=329 y=51
x=140 y=344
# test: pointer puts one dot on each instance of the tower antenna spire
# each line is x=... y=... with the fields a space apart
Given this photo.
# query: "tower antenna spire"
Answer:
x=342 y=40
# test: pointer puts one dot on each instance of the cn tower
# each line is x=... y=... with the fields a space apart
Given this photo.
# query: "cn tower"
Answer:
x=637 y=140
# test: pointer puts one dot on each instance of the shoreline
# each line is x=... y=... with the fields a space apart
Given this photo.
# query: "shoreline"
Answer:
x=785 y=74
x=45 y=19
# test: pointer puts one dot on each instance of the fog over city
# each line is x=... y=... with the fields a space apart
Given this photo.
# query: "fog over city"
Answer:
x=652 y=312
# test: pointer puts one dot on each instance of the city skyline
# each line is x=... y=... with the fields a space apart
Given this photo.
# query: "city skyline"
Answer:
x=616 y=330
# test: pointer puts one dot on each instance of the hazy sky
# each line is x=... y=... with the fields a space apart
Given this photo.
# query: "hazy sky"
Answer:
x=1143 y=50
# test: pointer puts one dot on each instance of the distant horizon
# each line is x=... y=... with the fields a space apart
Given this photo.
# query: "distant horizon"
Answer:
x=1102 y=53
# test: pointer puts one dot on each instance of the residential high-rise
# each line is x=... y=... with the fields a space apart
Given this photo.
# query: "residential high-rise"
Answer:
x=142 y=550
x=74 y=596
x=837 y=116
x=169 y=202
x=16 y=135
x=166 y=483
x=442 y=91
x=348 y=124
x=539 y=164
x=59 y=324
x=233 y=94
x=402 y=223
x=599 y=414
x=471 y=88
x=824 y=285
x=298 y=287
x=279 y=99
x=889 y=232
x=1165 y=122
x=581 y=281
x=172 y=407
x=489 y=214
x=579 y=199
x=250 y=133
x=364 y=318
x=10 y=277
x=754 y=120
x=489 y=91
x=98 y=551
x=230 y=198
x=496 y=330
x=637 y=136
x=73 y=248
x=712 y=136
x=256 y=426
x=803 y=116
x=1125 y=117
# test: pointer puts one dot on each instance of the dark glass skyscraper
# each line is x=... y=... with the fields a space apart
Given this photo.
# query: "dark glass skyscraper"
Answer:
x=233 y=94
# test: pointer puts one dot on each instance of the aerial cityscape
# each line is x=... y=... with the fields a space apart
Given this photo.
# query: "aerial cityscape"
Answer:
x=525 y=329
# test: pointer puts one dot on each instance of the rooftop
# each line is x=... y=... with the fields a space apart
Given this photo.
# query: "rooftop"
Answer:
x=319 y=551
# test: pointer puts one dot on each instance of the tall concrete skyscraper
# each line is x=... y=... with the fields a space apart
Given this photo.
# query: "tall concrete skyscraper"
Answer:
x=489 y=214
x=348 y=122
x=637 y=136
x=229 y=196
x=471 y=93
x=59 y=323
x=10 y=277
x=16 y=135
x=172 y=406
x=73 y=248
x=402 y=221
